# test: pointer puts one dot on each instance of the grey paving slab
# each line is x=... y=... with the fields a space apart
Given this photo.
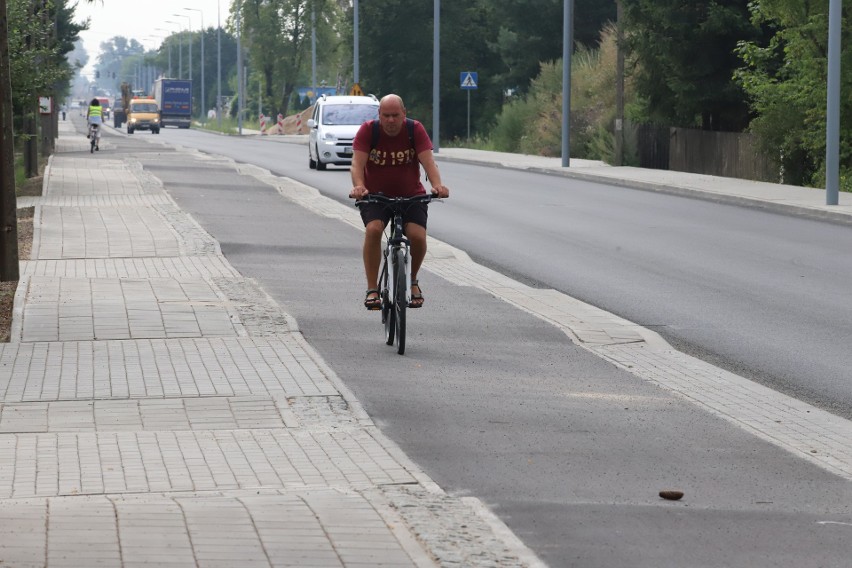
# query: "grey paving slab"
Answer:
x=292 y=529
x=92 y=463
x=156 y=368
x=95 y=201
x=81 y=177
x=79 y=309
x=102 y=232
x=209 y=413
x=205 y=266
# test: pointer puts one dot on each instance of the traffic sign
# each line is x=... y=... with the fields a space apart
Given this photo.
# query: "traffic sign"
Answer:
x=469 y=79
x=356 y=91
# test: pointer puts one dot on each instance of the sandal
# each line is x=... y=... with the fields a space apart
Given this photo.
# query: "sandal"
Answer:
x=373 y=301
x=416 y=299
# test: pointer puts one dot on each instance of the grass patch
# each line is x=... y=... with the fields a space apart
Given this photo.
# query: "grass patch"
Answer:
x=229 y=125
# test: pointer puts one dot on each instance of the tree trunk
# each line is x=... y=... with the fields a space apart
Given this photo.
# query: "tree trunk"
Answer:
x=9 y=269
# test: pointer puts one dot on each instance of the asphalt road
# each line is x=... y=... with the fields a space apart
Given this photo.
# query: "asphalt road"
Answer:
x=568 y=450
x=761 y=294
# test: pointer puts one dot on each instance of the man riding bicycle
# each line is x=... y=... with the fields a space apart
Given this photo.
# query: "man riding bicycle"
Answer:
x=386 y=159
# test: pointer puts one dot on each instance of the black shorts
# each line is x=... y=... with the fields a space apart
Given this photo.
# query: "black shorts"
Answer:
x=416 y=213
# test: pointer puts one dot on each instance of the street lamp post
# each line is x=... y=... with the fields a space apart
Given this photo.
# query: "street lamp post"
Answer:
x=355 y=24
x=189 y=21
x=567 y=49
x=170 y=48
x=203 y=98
x=161 y=38
x=436 y=76
x=218 y=67
x=180 y=47
x=239 y=76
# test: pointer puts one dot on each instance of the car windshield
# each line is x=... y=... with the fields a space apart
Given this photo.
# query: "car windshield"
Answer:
x=145 y=107
x=349 y=114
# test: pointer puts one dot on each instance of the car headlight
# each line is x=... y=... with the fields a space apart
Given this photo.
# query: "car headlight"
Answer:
x=329 y=136
x=132 y=120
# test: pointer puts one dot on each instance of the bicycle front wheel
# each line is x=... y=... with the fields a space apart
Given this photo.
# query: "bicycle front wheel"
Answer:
x=400 y=304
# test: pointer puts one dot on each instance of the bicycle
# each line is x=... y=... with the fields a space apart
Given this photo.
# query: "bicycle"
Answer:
x=395 y=274
x=95 y=136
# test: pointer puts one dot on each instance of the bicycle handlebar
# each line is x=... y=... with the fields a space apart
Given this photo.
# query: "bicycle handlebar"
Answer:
x=395 y=201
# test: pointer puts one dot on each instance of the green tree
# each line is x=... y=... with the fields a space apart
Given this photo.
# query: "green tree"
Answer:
x=277 y=35
x=389 y=65
x=504 y=42
x=117 y=61
x=785 y=78
x=530 y=33
x=532 y=123
x=686 y=55
x=40 y=35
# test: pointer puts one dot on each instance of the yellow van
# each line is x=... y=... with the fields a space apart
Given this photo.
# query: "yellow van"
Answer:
x=144 y=114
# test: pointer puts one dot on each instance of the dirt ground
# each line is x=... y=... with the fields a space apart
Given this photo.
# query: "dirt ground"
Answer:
x=25 y=241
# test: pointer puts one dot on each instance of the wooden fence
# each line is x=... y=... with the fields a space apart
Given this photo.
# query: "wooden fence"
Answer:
x=727 y=154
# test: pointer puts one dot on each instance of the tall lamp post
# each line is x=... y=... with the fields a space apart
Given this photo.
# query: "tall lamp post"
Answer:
x=162 y=38
x=218 y=66
x=239 y=75
x=189 y=28
x=567 y=49
x=180 y=46
x=170 y=47
x=436 y=76
x=203 y=98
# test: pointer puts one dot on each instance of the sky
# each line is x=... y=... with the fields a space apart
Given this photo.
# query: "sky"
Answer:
x=138 y=20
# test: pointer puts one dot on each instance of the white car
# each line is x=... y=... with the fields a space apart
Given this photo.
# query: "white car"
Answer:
x=333 y=126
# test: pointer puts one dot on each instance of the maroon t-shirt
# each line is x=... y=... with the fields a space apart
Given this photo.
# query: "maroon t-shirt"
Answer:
x=392 y=166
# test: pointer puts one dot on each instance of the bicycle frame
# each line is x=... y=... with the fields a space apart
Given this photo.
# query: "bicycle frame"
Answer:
x=395 y=240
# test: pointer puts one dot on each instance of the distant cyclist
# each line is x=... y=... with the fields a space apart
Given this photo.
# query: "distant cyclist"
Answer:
x=386 y=159
x=94 y=116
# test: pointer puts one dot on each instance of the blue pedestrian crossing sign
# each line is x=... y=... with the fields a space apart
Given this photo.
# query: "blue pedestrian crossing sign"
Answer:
x=469 y=79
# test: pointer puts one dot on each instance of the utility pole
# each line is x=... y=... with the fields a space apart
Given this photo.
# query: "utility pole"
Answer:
x=832 y=127
x=203 y=95
x=314 y=50
x=567 y=49
x=436 y=76
x=239 y=76
x=355 y=68
x=619 y=86
x=9 y=269
x=218 y=67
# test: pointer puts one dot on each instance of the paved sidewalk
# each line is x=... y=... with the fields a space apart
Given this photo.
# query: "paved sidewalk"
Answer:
x=158 y=408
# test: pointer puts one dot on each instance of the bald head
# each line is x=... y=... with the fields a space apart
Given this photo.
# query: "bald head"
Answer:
x=392 y=101
x=391 y=114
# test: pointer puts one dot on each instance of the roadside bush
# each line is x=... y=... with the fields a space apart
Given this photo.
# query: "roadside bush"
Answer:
x=533 y=124
x=510 y=130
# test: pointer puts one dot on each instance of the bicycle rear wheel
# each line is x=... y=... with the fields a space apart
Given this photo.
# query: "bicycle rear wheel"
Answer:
x=388 y=313
x=400 y=304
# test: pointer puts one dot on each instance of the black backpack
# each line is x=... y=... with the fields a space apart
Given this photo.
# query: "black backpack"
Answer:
x=409 y=124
